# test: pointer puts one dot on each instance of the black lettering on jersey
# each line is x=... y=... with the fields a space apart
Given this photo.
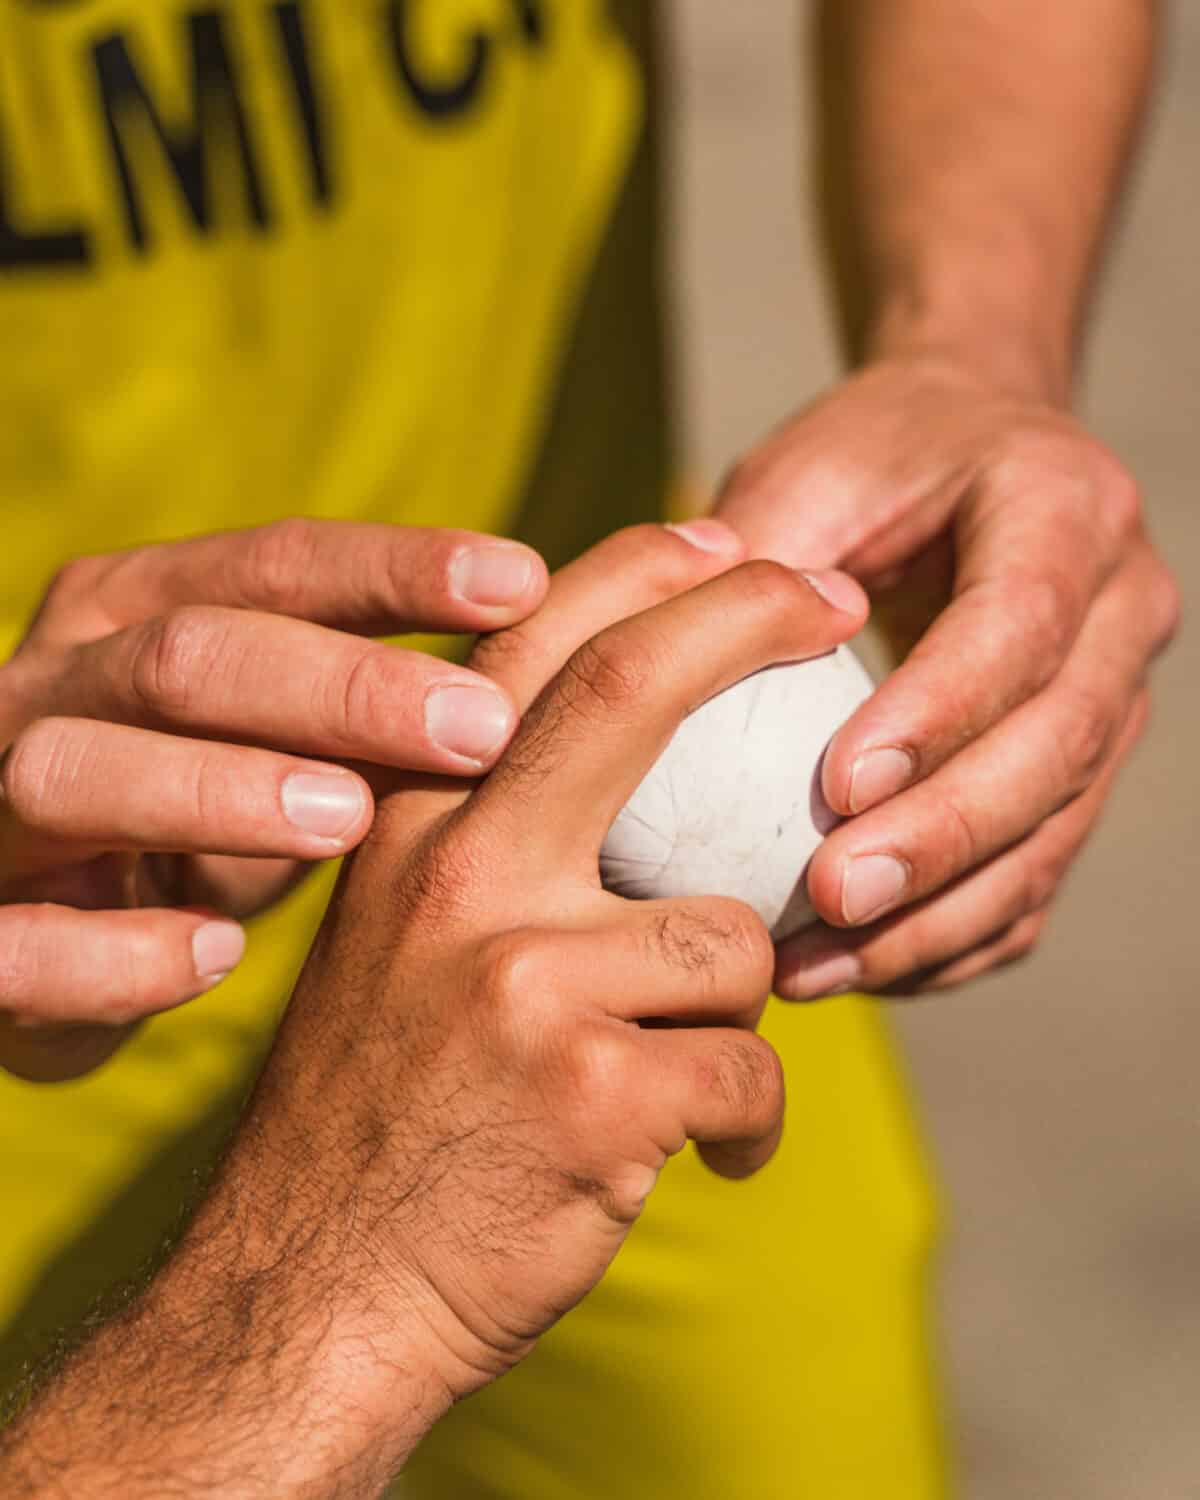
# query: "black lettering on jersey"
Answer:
x=438 y=100
x=293 y=39
x=531 y=18
x=444 y=99
x=27 y=250
x=218 y=116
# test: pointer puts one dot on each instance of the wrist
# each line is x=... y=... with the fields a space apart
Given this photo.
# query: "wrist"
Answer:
x=262 y=1361
x=997 y=328
x=333 y=1344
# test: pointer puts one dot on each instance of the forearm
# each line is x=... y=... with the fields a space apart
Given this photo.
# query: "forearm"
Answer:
x=245 y=1370
x=980 y=152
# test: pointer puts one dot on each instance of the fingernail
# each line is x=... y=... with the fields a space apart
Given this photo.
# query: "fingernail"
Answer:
x=318 y=803
x=838 y=589
x=469 y=721
x=709 y=535
x=831 y=975
x=871 y=883
x=492 y=575
x=879 y=774
x=217 y=947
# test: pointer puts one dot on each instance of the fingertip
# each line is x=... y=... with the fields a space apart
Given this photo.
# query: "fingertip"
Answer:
x=708 y=534
x=823 y=883
x=838 y=589
x=218 y=946
x=814 y=968
x=835 y=776
x=471 y=719
x=854 y=779
x=878 y=774
x=736 y=1161
x=839 y=758
x=784 y=985
x=508 y=579
x=328 y=804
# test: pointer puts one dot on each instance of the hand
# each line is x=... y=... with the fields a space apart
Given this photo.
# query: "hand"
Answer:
x=486 y=1062
x=462 y=1113
x=177 y=722
x=978 y=769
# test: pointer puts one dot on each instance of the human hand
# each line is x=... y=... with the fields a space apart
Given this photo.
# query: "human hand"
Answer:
x=177 y=724
x=978 y=769
x=461 y=1099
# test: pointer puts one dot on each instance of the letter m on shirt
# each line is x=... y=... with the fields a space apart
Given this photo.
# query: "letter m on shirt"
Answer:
x=217 y=121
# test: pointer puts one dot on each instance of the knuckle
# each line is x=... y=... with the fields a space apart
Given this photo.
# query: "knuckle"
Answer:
x=1085 y=737
x=1039 y=886
x=364 y=707
x=1041 y=602
x=962 y=843
x=278 y=555
x=509 y=970
x=172 y=658
x=1168 y=608
x=613 y=671
x=747 y=1076
x=748 y=935
x=599 y=1066
x=31 y=773
x=494 y=654
x=1120 y=494
x=21 y=940
x=1023 y=938
x=136 y=977
x=71 y=579
x=776 y=590
x=688 y=940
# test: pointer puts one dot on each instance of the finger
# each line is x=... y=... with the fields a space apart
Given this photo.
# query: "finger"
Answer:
x=1000 y=787
x=1011 y=945
x=109 y=787
x=587 y=742
x=705 y=960
x=624 y=574
x=1027 y=577
x=370 y=578
x=265 y=680
x=723 y=1089
x=63 y=968
x=961 y=919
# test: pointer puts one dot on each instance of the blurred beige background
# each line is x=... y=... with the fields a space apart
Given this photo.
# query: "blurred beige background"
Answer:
x=1061 y=1097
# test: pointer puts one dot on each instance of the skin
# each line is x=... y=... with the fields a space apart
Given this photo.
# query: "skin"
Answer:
x=979 y=153
x=462 y=1116
x=163 y=704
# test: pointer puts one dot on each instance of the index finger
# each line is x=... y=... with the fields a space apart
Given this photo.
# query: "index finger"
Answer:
x=594 y=732
x=1027 y=576
x=627 y=572
x=373 y=579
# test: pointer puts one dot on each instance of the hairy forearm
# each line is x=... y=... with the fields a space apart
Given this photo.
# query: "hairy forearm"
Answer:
x=979 y=152
x=247 y=1369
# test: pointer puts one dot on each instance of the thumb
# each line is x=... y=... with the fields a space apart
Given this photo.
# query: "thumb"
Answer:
x=797 y=503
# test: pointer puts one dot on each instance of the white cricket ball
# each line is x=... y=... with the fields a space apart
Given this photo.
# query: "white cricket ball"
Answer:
x=733 y=806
